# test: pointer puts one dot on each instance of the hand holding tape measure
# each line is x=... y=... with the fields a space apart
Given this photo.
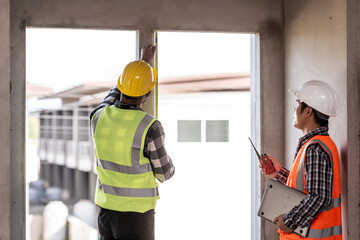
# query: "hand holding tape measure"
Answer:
x=265 y=162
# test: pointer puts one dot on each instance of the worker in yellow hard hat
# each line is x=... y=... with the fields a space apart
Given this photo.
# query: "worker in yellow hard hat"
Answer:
x=130 y=155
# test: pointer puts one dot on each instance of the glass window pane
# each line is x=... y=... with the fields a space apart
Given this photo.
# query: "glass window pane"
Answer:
x=189 y=131
x=217 y=130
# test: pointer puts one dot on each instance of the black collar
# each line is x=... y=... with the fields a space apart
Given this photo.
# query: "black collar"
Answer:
x=118 y=104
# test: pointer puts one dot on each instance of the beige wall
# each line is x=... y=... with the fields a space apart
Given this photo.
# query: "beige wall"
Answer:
x=263 y=16
x=5 y=119
x=317 y=47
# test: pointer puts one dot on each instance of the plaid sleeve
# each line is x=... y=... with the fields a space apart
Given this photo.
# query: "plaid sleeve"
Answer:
x=282 y=175
x=155 y=150
x=110 y=99
x=318 y=183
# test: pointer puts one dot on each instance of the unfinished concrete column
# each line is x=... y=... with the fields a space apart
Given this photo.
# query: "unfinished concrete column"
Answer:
x=19 y=21
x=81 y=185
x=57 y=175
x=351 y=166
x=68 y=183
x=5 y=118
x=45 y=172
x=146 y=37
x=271 y=96
x=92 y=185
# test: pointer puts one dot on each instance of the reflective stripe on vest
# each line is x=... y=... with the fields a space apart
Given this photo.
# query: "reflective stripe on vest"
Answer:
x=127 y=192
x=94 y=120
x=328 y=223
x=324 y=233
x=299 y=176
x=335 y=202
x=136 y=146
x=138 y=169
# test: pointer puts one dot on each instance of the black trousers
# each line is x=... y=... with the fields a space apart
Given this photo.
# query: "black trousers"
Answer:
x=113 y=225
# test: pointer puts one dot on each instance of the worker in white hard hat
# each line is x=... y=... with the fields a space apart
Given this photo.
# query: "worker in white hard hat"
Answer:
x=130 y=155
x=315 y=169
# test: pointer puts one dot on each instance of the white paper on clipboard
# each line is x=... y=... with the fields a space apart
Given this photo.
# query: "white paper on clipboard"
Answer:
x=279 y=199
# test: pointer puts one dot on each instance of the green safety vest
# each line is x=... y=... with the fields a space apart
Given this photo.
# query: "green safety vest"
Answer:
x=126 y=182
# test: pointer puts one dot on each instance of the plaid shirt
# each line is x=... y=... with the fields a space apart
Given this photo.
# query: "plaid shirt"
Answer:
x=318 y=182
x=154 y=148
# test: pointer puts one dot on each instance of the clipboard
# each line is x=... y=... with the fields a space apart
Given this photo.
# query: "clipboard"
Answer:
x=279 y=199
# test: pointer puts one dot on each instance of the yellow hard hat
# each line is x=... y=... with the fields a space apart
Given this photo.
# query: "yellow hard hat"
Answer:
x=137 y=79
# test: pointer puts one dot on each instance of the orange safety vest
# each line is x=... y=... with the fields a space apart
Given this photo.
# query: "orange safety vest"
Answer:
x=327 y=225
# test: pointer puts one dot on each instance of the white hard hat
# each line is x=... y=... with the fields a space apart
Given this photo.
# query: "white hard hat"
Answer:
x=319 y=95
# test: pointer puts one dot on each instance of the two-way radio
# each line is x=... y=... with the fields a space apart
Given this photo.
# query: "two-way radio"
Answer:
x=264 y=160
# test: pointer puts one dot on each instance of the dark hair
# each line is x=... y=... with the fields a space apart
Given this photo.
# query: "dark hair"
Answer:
x=131 y=98
x=322 y=122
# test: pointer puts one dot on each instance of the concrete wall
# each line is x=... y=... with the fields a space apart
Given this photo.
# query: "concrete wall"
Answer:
x=351 y=165
x=317 y=47
x=5 y=118
x=263 y=16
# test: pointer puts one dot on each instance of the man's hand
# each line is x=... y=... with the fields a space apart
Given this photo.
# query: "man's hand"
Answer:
x=147 y=53
x=276 y=165
x=281 y=225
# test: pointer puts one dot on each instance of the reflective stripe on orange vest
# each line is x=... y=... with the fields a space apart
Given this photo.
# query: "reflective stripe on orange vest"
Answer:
x=327 y=225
